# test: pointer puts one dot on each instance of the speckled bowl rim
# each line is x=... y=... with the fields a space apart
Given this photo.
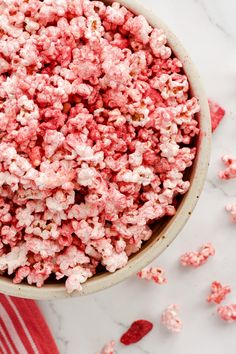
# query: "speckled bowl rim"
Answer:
x=148 y=253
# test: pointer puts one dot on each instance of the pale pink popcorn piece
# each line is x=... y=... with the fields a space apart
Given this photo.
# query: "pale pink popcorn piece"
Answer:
x=109 y=348
x=4 y=66
x=115 y=261
x=76 y=277
x=139 y=27
x=21 y=274
x=170 y=319
x=86 y=175
x=158 y=42
x=45 y=248
x=116 y=14
x=227 y=313
x=116 y=202
x=15 y=258
x=71 y=257
x=173 y=87
x=196 y=259
x=231 y=208
x=153 y=273
x=83 y=90
x=141 y=174
x=40 y=273
x=52 y=140
x=230 y=164
x=218 y=292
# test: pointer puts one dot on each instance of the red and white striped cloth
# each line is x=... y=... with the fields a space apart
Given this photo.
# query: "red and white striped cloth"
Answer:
x=23 y=329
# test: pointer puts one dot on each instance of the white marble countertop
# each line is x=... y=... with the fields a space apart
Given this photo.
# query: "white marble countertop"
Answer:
x=207 y=29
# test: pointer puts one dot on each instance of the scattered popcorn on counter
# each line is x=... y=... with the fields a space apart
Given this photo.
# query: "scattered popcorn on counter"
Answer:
x=227 y=313
x=196 y=259
x=232 y=210
x=97 y=126
x=230 y=171
x=109 y=348
x=153 y=273
x=170 y=318
x=218 y=292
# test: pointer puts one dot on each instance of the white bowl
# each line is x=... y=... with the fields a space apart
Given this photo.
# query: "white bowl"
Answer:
x=164 y=232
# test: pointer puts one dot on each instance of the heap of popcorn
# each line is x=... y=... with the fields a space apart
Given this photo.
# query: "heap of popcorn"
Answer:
x=96 y=131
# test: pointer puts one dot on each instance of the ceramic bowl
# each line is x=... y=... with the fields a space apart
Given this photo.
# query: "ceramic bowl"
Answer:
x=166 y=230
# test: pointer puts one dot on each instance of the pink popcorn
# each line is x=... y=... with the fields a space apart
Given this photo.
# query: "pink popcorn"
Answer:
x=116 y=202
x=170 y=319
x=230 y=171
x=75 y=277
x=9 y=235
x=86 y=175
x=227 y=313
x=21 y=274
x=38 y=274
x=158 y=41
x=218 y=292
x=232 y=210
x=153 y=273
x=52 y=140
x=44 y=248
x=71 y=257
x=97 y=125
x=149 y=211
x=173 y=87
x=4 y=66
x=109 y=348
x=115 y=261
x=15 y=258
x=139 y=28
x=116 y=14
x=142 y=175
x=196 y=259
x=91 y=230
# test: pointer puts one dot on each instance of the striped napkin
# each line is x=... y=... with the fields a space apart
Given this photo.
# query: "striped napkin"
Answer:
x=23 y=329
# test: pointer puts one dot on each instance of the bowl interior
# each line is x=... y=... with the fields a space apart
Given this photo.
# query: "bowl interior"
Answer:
x=165 y=230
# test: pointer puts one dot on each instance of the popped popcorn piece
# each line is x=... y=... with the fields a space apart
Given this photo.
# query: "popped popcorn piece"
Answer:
x=45 y=248
x=217 y=114
x=218 y=292
x=115 y=14
x=115 y=261
x=196 y=259
x=153 y=273
x=141 y=174
x=227 y=313
x=139 y=28
x=86 y=175
x=21 y=274
x=40 y=272
x=109 y=348
x=173 y=88
x=71 y=257
x=231 y=208
x=76 y=277
x=170 y=318
x=230 y=164
x=52 y=140
x=15 y=258
x=158 y=42
x=96 y=130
